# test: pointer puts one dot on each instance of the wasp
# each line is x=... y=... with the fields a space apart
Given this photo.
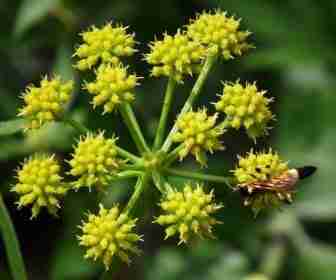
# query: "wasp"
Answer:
x=282 y=185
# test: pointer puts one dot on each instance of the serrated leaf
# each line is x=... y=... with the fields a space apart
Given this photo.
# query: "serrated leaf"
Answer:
x=12 y=126
x=31 y=12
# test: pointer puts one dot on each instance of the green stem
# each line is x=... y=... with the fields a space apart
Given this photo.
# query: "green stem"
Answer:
x=164 y=114
x=159 y=181
x=76 y=125
x=196 y=90
x=273 y=260
x=173 y=155
x=133 y=127
x=127 y=155
x=128 y=174
x=199 y=176
x=138 y=189
x=12 y=246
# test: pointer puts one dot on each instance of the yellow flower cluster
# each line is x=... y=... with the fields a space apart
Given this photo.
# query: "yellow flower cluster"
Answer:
x=245 y=106
x=40 y=184
x=94 y=161
x=257 y=167
x=112 y=87
x=109 y=234
x=175 y=56
x=221 y=31
x=262 y=180
x=45 y=103
x=199 y=133
x=105 y=45
x=188 y=213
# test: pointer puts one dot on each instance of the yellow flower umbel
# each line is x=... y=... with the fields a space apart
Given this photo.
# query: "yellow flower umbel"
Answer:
x=45 y=103
x=40 y=184
x=220 y=31
x=198 y=133
x=247 y=107
x=109 y=234
x=188 y=213
x=112 y=87
x=105 y=45
x=94 y=161
x=256 y=276
x=175 y=56
x=262 y=179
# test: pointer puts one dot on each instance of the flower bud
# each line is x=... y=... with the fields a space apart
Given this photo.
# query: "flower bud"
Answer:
x=198 y=133
x=104 y=45
x=264 y=180
x=188 y=213
x=218 y=30
x=45 y=103
x=112 y=87
x=108 y=234
x=246 y=107
x=94 y=161
x=175 y=56
x=40 y=184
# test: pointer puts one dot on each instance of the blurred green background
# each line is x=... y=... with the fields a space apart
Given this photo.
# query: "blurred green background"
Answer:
x=294 y=60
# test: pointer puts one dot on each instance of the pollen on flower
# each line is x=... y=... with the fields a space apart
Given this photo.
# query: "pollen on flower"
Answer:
x=263 y=180
x=220 y=31
x=40 y=184
x=112 y=87
x=95 y=161
x=108 y=234
x=198 y=133
x=246 y=107
x=104 y=45
x=188 y=213
x=175 y=56
x=45 y=103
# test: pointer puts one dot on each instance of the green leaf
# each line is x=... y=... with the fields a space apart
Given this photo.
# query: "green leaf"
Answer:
x=11 y=126
x=31 y=12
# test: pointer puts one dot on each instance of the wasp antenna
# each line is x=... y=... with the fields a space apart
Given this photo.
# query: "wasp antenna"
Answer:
x=306 y=171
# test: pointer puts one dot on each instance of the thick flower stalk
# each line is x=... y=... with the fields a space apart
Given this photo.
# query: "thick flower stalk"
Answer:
x=40 y=184
x=113 y=86
x=198 y=133
x=263 y=180
x=104 y=45
x=245 y=106
x=220 y=31
x=108 y=234
x=188 y=213
x=175 y=56
x=95 y=161
x=45 y=103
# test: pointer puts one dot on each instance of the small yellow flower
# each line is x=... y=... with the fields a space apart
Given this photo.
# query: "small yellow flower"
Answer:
x=108 y=234
x=40 y=184
x=45 y=103
x=199 y=133
x=245 y=106
x=220 y=31
x=94 y=161
x=263 y=180
x=113 y=86
x=175 y=56
x=105 y=45
x=188 y=213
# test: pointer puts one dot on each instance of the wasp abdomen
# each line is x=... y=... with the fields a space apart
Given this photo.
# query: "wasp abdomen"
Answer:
x=306 y=171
